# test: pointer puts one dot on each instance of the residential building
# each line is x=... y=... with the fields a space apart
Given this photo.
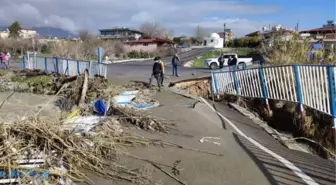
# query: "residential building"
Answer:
x=253 y=34
x=25 y=33
x=123 y=34
x=326 y=33
x=4 y=34
x=229 y=35
x=146 y=45
x=276 y=31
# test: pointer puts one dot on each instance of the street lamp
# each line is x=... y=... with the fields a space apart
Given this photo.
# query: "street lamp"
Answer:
x=224 y=37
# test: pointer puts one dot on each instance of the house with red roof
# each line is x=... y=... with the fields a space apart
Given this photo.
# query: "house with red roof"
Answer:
x=146 y=45
x=326 y=33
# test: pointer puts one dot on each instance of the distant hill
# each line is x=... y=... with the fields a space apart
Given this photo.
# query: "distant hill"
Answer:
x=54 y=32
x=49 y=31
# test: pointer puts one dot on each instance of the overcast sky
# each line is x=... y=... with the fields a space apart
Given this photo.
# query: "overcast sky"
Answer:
x=182 y=16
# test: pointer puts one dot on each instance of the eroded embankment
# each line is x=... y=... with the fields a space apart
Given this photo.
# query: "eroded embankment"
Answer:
x=284 y=117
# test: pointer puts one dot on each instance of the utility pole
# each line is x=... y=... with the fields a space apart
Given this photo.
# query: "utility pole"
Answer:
x=297 y=26
x=224 y=37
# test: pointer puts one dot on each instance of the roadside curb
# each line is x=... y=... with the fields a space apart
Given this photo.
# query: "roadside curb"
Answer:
x=126 y=61
x=283 y=139
x=183 y=93
x=171 y=84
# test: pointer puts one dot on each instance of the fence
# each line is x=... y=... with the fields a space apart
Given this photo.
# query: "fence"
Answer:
x=309 y=85
x=63 y=66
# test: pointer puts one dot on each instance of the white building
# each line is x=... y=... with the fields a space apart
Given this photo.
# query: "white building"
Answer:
x=213 y=40
x=25 y=33
x=4 y=34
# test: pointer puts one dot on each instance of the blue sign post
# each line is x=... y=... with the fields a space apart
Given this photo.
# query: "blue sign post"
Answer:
x=100 y=54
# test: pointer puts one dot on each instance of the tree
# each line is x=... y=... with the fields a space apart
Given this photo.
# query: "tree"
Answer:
x=14 y=29
x=169 y=34
x=200 y=34
x=85 y=35
x=153 y=30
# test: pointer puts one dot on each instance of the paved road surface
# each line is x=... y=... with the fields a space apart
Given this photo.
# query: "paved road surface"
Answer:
x=184 y=57
x=278 y=164
x=274 y=163
x=276 y=170
x=141 y=70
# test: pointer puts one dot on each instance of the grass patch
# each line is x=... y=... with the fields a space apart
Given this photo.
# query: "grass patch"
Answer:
x=242 y=52
x=45 y=55
x=32 y=80
x=199 y=62
x=2 y=72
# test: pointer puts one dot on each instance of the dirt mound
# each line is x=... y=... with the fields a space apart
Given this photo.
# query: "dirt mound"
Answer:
x=195 y=87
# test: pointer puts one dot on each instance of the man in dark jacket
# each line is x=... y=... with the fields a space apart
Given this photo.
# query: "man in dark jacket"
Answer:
x=156 y=73
x=221 y=61
x=232 y=63
x=175 y=62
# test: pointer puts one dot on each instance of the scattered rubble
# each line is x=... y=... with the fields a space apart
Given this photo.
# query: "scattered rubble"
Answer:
x=81 y=140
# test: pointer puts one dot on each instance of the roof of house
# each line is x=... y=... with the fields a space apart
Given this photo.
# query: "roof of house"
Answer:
x=22 y=28
x=152 y=40
x=330 y=36
x=252 y=34
x=320 y=30
x=120 y=29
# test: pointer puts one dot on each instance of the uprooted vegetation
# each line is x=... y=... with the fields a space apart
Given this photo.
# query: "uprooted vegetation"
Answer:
x=67 y=149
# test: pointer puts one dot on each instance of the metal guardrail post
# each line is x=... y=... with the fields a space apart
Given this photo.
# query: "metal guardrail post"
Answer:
x=216 y=93
x=264 y=89
x=235 y=82
x=23 y=62
x=67 y=67
x=299 y=89
x=331 y=82
x=57 y=69
x=45 y=64
x=213 y=86
x=78 y=70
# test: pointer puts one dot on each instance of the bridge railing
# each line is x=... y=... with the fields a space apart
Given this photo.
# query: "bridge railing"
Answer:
x=63 y=66
x=308 y=85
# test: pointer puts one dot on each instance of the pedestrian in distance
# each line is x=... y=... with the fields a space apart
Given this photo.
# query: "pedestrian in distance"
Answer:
x=3 y=64
x=156 y=73
x=221 y=61
x=163 y=70
x=233 y=63
x=175 y=62
x=8 y=56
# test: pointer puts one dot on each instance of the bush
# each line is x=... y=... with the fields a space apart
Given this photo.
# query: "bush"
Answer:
x=251 y=42
x=279 y=52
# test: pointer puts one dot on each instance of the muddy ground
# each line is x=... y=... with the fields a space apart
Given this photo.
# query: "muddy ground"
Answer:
x=22 y=105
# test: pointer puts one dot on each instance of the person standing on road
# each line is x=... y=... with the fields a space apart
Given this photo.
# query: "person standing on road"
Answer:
x=156 y=73
x=3 y=60
x=233 y=63
x=163 y=70
x=221 y=61
x=175 y=62
x=8 y=58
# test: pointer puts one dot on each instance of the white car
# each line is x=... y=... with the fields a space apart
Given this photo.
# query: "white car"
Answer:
x=213 y=63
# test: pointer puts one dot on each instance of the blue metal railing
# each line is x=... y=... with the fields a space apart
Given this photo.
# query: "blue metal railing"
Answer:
x=308 y=85
x=63 y=66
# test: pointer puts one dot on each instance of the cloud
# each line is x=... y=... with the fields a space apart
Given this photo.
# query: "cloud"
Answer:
x=182 y=16
x=239 y=26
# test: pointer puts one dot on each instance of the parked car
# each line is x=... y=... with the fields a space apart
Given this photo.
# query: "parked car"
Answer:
x=213 y=63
